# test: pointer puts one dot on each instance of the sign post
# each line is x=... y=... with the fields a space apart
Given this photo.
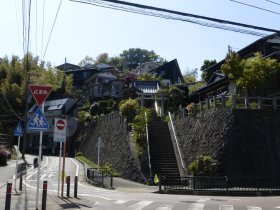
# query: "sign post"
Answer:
x=39 y=122
x=99 y=145
x=60 y=126
x=17 y=132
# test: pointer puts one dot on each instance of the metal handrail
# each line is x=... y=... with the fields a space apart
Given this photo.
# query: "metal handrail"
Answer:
x=176 y=140
x=148 y=147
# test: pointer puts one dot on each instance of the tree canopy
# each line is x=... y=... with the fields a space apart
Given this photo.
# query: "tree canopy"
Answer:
x=206 y=75
x=13 y=83
x=135 y=56
x=127 y=60
x=190 y=76
x=251 y=72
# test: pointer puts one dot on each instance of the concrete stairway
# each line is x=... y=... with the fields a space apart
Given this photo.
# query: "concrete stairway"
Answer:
x=163 y=159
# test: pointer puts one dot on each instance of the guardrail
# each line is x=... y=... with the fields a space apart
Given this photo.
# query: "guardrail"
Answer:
x=148 y=147
x=176 y=140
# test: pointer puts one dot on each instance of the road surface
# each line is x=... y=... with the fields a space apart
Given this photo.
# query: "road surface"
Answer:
x=127 y=195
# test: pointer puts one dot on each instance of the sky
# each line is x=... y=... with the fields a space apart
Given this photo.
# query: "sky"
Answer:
x=82 y=29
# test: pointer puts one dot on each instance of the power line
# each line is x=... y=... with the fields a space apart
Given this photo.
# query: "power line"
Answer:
x=52 y=27
x=28 y=35
x=36 y=28
x=4 y=97
x=43 y=24
x=169 y=14
x=273 y=2
x=249 y=5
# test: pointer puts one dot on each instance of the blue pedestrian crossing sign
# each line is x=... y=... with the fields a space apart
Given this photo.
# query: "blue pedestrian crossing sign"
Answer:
x=38 y=121
x=18 y=130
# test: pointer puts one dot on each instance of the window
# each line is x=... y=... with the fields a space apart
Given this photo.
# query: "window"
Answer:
x=115 y=87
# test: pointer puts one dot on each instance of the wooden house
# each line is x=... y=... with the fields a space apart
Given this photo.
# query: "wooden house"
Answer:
x=268 y=46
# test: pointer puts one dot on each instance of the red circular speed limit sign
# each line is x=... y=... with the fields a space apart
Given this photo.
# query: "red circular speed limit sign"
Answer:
x=60 y=124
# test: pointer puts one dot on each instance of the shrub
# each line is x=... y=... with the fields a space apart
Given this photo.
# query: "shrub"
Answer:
x=129 y=109
x=139 y=129
x=204 y=165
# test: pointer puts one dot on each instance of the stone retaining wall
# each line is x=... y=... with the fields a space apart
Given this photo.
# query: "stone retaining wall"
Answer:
x=245 y=143
x=117 y=150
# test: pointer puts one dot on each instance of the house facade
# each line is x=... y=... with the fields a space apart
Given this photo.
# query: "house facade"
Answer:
x=170 y=73
x=219 y=83
x=104 y=83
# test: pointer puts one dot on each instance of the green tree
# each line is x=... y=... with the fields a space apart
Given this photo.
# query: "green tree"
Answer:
x=129 y=108
x=190 y=76
x=116 y=62
x=176 y=97
x=139 y=129
x=87 y=60
x=257 y=70
x=206 y=75
x=102 y=58
x=232 y=66
x=135 y=56
x=146 y=76
x=251 y=72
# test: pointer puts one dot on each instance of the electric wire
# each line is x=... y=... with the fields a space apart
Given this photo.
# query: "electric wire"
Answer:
x=36 y=25
x=156 y=13
x=250 y=5
x=273 y=2
x=4 y=97
x=43 y=25
x=18 y=27
x=58 y=9
x=23 y=25
x=28 y=35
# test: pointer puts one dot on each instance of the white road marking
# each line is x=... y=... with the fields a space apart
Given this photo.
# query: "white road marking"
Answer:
x=253 y=208
x=120 y=201
x=164 y=207
x=140 y=205
x=196 y=206
x=278 y=207
x=47 y=162
x=77 y=169
x=202 y=200
x=226 y=207
x=43 y=176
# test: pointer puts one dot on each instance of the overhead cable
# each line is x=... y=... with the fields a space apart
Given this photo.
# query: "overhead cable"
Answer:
x=250 y=5
x=175 y=15
x=52 y=28
x=273 y=2
x=4 y=97
x=43 y=25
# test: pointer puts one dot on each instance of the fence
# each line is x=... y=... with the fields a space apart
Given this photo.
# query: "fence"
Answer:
x=110 y=117
x=233 y=102
x=222 y=184
x=94 y=176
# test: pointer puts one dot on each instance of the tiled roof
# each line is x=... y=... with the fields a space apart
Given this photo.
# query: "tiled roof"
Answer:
x=147 y=86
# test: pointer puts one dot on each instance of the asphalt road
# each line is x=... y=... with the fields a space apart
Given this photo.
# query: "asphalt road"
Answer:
x=127 y=195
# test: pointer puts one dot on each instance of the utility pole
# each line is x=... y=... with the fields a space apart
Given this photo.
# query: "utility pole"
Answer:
x=27 y=78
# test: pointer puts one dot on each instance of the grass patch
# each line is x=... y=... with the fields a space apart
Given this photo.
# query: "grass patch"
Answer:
x=107 y=168
x=86 y=161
